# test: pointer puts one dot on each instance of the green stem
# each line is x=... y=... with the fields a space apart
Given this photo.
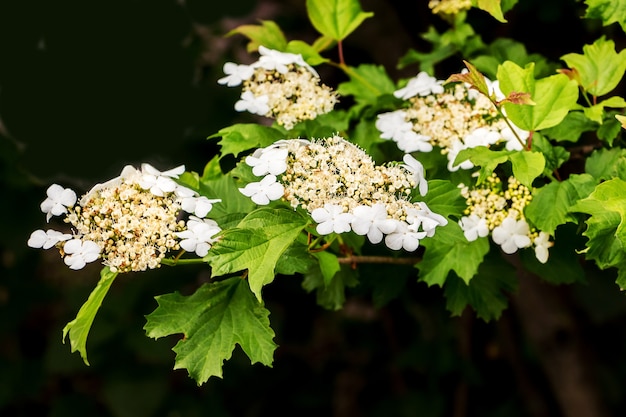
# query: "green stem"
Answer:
x=378 y=260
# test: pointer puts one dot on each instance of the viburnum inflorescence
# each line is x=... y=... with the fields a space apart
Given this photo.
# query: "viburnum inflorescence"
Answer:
x=281 y=86
x=452 y=118
x=131 y=222
x=495 y=209
x=343 y=190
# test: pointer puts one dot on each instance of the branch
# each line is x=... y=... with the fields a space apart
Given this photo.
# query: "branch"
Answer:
x=378 y=260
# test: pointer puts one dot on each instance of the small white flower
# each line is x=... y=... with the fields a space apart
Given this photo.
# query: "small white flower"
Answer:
x=331 y=218
x=422 y=85
x=393 y=125
x=200 y=206
x=511 y=235
x=264 y=191
x=159 y=182
x=58 y=200
x=425 y=218
x=481 y=137
x=235 y=74
x=473 y=227
x=253 y=104
x=411 y=141
x=416 y=168
x=404 y=238
x=79 y=253
x=198 y=237
x=372 y=221
x=46 y=240
x=268 y=161
x=275 y=60
x=542 y=244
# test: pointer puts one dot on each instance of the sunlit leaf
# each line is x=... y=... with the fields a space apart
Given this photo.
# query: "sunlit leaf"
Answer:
x=78 y=329
x=212 y=321
x=550 y=205
x=599 y=66
x=449 y=250
x=554 y=96
x=336 y=18
x=267 y=34
x=256 y=244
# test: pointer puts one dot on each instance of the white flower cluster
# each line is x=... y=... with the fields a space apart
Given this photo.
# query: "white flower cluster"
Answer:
x=279 y=85
x=492 y=209
x=451 y=119
x=449 y=7
x=344 y=190
x=130 y=222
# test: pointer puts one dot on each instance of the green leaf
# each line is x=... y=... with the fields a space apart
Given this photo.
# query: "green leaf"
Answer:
x=571 y=127
x=336 y=19
x=554 y=156
x=267 y=34
x=492 y=7
x=212 y=321
x=600 y=68
x=527 y=165
x=444 y=198
x=244 y=136
x=295 y=259
x=330 y=295
x=226 y=189
x=487 y=293
x=554 y=96
x=563 y=266
x=602 y=164
x=256 y=244
x=367 y=83
x=308 y=52
x=78 y=329
x=449 y=250
x=328 y=264
x=606 y=226
x=551 y=203
x=609 y=11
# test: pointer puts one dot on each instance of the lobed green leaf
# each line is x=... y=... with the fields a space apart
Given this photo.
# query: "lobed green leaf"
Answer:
x=213 y=320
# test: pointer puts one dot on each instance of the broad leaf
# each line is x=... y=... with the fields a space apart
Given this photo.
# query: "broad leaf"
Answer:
x=367 y=83
x=599 y=68
x=571 y=127
x=603 y=164
x=551 y=203
x=554 y=96
x=330 y=295
x=256 y=244
x=487 y=293
x=267 y=34
x=78 y=329
x=527 y=165
x=212 y=321
x=606 y=226
x=336 y=19
x=444 y=198
x=608 y=11
x=449 y=250
x=244 y=136
x=492 y=7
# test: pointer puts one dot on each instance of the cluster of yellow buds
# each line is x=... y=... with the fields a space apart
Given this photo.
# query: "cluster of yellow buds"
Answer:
x=495 y=209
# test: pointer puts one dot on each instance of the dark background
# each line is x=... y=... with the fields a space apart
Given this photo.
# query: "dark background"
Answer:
x=87 y=87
